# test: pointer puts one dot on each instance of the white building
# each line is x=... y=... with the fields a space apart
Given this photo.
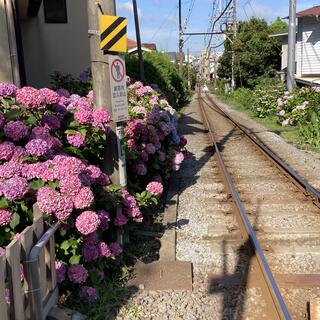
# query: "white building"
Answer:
x=307 y=47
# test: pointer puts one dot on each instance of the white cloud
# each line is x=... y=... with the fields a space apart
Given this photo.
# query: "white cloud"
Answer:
x=171 y=18
x=128 y=7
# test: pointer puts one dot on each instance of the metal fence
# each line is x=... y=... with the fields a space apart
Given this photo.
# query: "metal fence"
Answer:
x=27 y=273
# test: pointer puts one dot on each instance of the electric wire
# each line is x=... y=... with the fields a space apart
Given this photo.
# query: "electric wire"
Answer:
x=188 y=14
x=216 y=20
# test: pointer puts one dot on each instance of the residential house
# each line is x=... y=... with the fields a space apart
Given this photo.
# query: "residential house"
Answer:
x=307 y=47
x=50 y=35
x=146 y=47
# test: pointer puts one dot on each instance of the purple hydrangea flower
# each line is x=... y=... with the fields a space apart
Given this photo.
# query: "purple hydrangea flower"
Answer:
x=90 y=252
x=115 y=248
x=14 y=188
x=37 y=147
x=61 y=271
x=7 y=90
x=88 y=293
x=120 y=220
x=77 y=273
x=15 y=130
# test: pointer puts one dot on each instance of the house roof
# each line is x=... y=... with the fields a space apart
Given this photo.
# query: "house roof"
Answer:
x=314 y=11
x=279 y=34
x=132 y=45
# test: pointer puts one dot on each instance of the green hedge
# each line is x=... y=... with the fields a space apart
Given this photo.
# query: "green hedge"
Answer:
x=160 y=70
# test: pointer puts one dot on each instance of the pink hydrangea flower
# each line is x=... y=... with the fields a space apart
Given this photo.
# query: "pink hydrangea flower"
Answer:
x=47 y=199
x=285 y=122
x=120 y=220
x=87 y=222
x=76 y=140
x=104 y=250
x=178 y=158
x=63 y=207
x=134 y=212
x=83 y=116
x=14 y=188
x=84 y=198
x=15 y=130
x=155 y=188
x=70 y=185
x=132 y=144
x=5 y=216
x=100 y=117
x=6 y=150
x=49 y=96
x=10 y=169
x=77 y=273
x=31 y=97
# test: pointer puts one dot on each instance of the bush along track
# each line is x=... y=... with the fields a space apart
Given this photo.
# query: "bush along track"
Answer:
x=52 y=143
x=298 y=110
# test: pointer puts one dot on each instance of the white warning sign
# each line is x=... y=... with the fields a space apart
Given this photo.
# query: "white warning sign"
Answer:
x=118 y=82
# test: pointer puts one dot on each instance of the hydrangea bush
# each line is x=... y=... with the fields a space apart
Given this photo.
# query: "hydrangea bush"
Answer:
x=51 y=145
x=300 y=108
x=153 y=147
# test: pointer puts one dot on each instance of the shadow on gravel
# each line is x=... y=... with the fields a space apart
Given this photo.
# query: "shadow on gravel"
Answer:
x=233 y=286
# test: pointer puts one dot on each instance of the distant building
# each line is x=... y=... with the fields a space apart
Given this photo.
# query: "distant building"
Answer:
x=307 y=47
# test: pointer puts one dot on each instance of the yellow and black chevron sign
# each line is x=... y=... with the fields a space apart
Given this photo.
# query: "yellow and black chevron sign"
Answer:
x=113 y=33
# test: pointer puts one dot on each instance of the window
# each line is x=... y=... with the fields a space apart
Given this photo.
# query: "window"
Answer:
x=55 y=11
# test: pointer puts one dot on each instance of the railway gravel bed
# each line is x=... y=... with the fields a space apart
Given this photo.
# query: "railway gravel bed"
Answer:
x=201 y=238
x=305 y=163
x=301 y=220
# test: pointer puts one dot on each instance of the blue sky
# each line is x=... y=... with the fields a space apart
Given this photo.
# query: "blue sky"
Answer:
x=159 y=18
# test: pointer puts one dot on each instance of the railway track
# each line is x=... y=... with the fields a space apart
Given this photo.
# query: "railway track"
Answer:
x=277 y=214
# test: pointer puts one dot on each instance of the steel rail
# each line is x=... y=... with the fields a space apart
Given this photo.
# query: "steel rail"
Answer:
x=299 y=181
x=247 y=231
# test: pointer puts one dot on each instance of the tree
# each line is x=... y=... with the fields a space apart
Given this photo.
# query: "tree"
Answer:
x=256 y=54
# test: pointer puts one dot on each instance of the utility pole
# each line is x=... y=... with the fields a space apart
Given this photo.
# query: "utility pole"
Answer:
x=188 y=64
x=291 y=46
x=136 y=22
x=234 y=29
x=101 y=80
x=180 y=41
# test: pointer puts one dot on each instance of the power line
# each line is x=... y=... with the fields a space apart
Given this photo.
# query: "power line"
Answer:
x=216 y=20
x=189 y=14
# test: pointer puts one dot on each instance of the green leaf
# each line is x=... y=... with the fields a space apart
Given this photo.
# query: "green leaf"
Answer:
x=83 y=131
x=75 y=259
x=36 y=184
x=53 y=184
x=31 y=120
x=15 y=220
x=65 y=245
x=4 y=203
x=73 y=124
x=24 y=207
x=63 y=232
x=11 y=115
x=69 y=131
